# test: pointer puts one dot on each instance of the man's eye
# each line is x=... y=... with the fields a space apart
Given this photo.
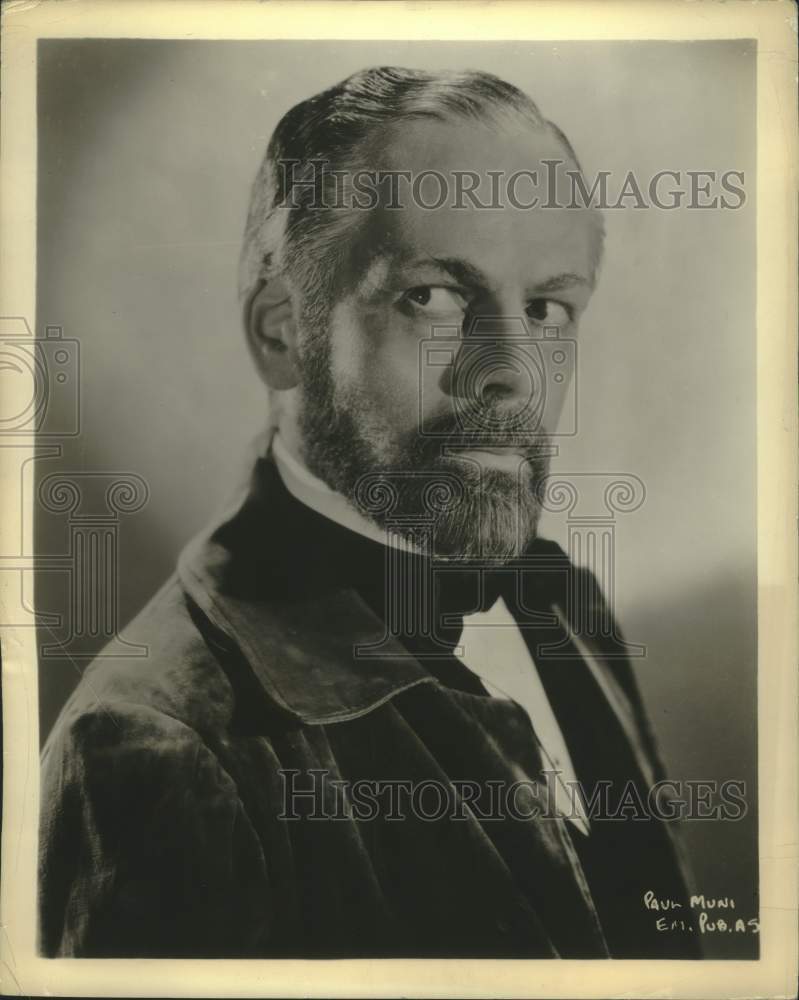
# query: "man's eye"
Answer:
x=548 y=313
x=432 y=300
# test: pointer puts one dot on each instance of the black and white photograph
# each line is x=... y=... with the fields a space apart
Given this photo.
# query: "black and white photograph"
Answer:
x=391 y=483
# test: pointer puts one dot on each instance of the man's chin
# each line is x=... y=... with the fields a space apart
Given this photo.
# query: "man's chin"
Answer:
x=496 y=539
x=500 y=552
x=492 y=516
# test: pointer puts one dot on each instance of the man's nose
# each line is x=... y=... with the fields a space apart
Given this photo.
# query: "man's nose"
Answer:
x=494 y=365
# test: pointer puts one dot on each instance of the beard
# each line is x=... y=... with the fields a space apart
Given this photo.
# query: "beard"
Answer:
x=448 y=506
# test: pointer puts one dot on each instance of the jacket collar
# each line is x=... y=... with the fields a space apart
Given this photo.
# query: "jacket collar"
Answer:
x=280 y=582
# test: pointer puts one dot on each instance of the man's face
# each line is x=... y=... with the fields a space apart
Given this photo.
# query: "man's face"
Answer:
x=436 y=367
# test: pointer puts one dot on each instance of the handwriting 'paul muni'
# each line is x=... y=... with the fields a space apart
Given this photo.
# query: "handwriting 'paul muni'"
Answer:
x=379 y=606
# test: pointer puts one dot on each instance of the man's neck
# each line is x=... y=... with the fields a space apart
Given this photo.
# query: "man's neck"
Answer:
x=316 y=494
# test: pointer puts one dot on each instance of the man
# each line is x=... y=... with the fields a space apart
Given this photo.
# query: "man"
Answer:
x=374 y=719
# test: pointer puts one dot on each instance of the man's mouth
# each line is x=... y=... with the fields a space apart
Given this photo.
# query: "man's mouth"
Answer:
x=505 y=457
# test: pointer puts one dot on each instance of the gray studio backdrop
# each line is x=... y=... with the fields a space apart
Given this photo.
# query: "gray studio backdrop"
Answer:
x=146 y=154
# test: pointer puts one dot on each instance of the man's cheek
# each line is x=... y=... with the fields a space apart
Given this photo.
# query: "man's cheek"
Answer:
x=392 y=376
x=356 y=336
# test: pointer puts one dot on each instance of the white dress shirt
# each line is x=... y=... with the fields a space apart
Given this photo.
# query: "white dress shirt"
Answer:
x=492 y=646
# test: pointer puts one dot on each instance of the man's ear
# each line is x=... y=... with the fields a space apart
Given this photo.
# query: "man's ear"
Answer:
x=271 y=333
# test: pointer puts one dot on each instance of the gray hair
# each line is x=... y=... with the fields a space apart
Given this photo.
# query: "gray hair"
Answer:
x=286 y=231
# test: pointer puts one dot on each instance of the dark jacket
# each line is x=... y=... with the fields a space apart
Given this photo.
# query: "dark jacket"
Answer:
x=167 y=780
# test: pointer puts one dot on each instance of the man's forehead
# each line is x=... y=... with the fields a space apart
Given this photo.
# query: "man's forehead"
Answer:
x=477 y=249
x=508 y=144
x=462 y=190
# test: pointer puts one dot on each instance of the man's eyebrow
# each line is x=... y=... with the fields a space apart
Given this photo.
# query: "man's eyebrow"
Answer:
x=559 y=281
x=461 y=270
x=385 y=264
x=468 y=274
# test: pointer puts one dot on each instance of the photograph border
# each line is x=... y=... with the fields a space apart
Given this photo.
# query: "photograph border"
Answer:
x=774 y=26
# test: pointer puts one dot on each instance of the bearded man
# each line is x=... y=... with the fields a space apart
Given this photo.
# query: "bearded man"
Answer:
x=374 y=720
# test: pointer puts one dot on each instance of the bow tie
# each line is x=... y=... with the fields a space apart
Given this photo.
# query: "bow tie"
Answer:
x=462 y=591
x=467 y=589
x=416 y=593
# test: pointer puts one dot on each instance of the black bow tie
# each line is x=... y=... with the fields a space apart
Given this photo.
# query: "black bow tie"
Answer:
x=416 y=594
x=458 y=591
x=467 y=588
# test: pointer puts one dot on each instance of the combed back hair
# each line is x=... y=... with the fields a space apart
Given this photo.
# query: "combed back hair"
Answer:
x=287 y=231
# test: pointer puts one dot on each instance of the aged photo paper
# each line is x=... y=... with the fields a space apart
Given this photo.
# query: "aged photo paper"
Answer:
x=398 y=566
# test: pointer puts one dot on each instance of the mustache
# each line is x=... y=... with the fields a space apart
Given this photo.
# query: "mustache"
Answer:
x=473 y=427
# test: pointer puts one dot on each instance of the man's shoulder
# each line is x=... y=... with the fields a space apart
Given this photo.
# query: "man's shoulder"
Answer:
x=174 y=688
